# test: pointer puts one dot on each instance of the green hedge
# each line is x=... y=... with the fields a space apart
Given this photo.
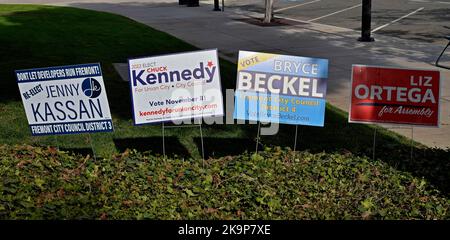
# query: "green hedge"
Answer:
x=39 y=183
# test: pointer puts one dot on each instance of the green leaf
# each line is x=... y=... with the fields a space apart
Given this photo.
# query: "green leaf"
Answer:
x=367 y=203
x=39 y=182
x=189 y=193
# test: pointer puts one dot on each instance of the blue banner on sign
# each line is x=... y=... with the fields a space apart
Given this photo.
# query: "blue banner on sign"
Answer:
x=291 y=65
x=71 y=128
x=281 y=89
x=280 y=109
x=59 y=73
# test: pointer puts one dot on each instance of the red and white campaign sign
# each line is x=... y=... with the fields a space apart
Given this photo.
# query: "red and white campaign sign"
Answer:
x=391 y=95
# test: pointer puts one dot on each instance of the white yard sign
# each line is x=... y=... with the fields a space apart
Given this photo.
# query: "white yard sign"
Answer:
x=65 y=100
x=175 y=87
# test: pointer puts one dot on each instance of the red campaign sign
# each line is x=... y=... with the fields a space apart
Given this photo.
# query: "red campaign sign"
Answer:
x=390 y=95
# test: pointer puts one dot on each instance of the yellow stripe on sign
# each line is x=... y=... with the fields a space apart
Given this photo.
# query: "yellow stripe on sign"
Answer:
x=254 y=59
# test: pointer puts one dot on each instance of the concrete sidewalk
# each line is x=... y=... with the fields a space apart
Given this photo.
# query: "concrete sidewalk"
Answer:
x=233 y=30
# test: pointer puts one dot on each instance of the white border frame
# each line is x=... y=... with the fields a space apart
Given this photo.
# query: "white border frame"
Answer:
x=181 y=118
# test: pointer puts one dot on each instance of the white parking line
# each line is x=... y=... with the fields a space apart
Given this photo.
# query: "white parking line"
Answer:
x=298 y=5
x=426 y=1
x=320 y=24
x=396 y=20
x=343 y=10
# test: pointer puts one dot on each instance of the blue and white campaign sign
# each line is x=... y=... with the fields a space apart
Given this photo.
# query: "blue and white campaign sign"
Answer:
x=175 y=87
x=65 y=100
x=281 y=89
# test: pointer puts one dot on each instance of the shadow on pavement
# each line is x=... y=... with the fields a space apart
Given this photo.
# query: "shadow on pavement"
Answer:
x=154 y=145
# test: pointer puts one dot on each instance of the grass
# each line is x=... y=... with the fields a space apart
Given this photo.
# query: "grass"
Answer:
x=40 y=36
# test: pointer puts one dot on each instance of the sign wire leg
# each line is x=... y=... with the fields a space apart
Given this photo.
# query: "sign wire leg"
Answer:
x=163 y=142
x=92 y=147
x=257 y=137
x=201 y=140
x=412 y=143
x=56 y=142
x=295 y=139
x=374 y=143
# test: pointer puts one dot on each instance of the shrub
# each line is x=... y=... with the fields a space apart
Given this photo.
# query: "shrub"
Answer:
x=39 y=183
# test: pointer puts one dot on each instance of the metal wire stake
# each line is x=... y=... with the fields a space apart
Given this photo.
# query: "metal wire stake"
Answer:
x=163 y=142
x=412 y=142
x=374 y=141
x=56 y=142
x=92 y=147
x=295 y=139
x=257 y=137
x=203 y=149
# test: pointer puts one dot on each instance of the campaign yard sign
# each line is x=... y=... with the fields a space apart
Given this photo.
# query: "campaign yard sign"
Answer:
x=65 y=100
x=281 y=88
x=175 y=87
x=392 y=95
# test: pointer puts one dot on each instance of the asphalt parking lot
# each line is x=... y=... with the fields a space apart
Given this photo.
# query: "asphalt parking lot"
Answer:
x=421 y=20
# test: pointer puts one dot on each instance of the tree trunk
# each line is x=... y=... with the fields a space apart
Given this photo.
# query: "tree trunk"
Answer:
x=269 y=11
